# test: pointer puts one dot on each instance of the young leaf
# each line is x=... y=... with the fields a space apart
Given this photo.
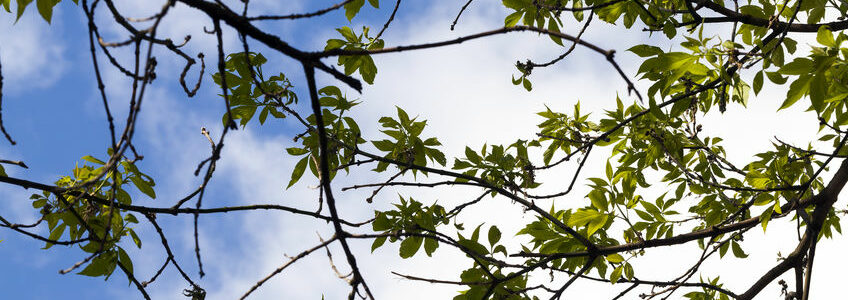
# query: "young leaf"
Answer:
x=615 y=258
x=377 y=243
x=513 y=19
x=45 y=8
x=22 y=4
x=352 y=8
x=143 y=186
x=825 y=37
x=430 y=246
x=737 y=250
x=494 y=235
x=410 y=246
x=758 y=82
x=299 y=168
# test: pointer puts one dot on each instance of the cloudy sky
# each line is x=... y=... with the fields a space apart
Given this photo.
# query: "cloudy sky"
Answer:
x=53 y=110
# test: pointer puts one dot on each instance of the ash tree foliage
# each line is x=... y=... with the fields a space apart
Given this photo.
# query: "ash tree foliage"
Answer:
x=654 y=137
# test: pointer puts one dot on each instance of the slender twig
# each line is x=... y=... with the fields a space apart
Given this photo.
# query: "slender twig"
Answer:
x=301 y=15
x=571 y=280
x=287 y=264
x=14 y=162
x=573 y=179
x=389 y=21
x=132 y=278
x=3 y=127
x=570 y=49
x=461 y=10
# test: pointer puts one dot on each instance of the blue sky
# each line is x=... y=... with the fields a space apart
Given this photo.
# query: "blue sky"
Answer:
x=52 y=109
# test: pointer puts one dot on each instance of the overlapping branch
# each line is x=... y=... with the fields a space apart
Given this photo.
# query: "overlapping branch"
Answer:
x=519 y=263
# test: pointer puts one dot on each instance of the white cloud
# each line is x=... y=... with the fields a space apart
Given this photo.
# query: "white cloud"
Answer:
x=32 y=53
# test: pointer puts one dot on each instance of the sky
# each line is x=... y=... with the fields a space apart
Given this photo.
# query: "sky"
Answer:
x=52 y=108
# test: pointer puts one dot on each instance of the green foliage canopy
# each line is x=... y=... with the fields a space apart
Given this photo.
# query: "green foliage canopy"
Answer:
x=654 y=138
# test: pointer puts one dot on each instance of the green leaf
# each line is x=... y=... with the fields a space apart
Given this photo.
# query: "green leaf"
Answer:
x=125 y=261
x=102 y=265
x=377 y=243
x=347 y=33
x=765 y=217
x=135 y=239
x=595 y=219
x=384 y=145
x=679 y=107
x=737 y=250
x=368 y=69
x=130 y=218
x=93 y=160
x=352 y=8
x=581 y=217
x=381 y=222
x=437 y=155
x=669 y=30
x=403 y=116
x=45 y=8
x=553 y=27
x=96 y=268
x=776 y=77
x=628 y=271
x=494 y=235
x=294 y=151
x=472 y=156
x=22 y=4
x=758 y=83
x=143 y=186
x=797 y=89
x=825 y=37
x=334 y=44
x=299 y=168
x=818 y=92
x=616 y=274
x=513 y=19
x=598 y=199
x=597 y=223
x=430 y=246
x=476 y=234
x=777 y=56
x=798 y=66
x=410 y=246
x=615 y=258
x=39 y=203
x=55 y=234
x=474 y=246
x=645 y=50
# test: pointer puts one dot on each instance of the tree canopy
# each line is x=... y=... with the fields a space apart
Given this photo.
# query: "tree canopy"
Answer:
x=663 y=180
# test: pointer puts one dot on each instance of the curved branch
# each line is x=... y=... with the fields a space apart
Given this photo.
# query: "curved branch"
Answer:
x=608 y=54
x=243 y=26
x=732 y=16
x=301 y=15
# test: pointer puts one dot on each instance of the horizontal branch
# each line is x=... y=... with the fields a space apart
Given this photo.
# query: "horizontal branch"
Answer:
x=732 y=16
x=339 y=52
x=301 y=15
x=679 y=239
x=483 y=183
x=823 y=201
x=170 y=210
